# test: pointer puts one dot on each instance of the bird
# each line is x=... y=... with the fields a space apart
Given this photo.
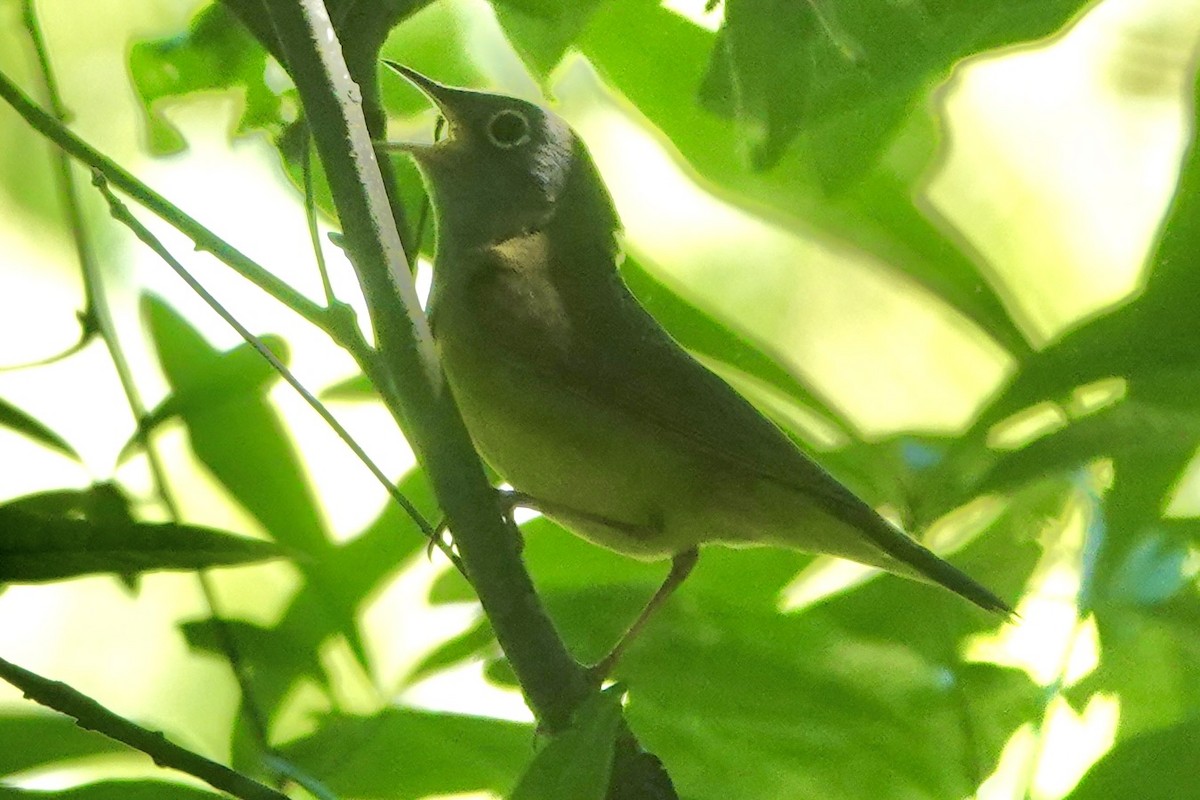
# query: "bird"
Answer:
x=578 y=398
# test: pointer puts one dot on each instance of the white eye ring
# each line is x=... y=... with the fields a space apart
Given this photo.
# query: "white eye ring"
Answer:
x=507 y=129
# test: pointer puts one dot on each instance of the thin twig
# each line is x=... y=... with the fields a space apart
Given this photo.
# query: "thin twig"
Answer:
x=204 y=239
x=99 y=316
x=121 y=213
x=310 y=216
x=91 y=715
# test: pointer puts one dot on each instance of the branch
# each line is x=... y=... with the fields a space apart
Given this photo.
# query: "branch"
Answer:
x=408 y=373
x=95 y=717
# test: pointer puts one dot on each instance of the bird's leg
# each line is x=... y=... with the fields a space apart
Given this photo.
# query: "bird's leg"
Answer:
x=681 y=567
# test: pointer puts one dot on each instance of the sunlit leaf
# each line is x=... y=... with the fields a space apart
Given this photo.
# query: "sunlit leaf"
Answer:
x=32 y=740
x=115 y=790
x=403 y=754
x=216 y=52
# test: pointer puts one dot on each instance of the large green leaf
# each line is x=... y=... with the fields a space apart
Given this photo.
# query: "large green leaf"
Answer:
x=404 y=754
x=543 y=30
x=1155 y=766
x=1152 y=339
x=847 y=73
x=657 y=60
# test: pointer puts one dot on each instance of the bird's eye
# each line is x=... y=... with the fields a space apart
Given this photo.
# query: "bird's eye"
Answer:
x=508 y=129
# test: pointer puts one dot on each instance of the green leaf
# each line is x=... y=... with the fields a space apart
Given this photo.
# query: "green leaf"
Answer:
x=848 y=73
x=543 y=30
x=405 y=754
x=36 y=548
x=1127 y=429
x=115 y=790
x=865 y=695
x=708 y=337
x=235 y=376
x=657 y=60
x=34 y=740
x=355 y=389
x=1160 y=765
x=577 y=763
x=216 y=52
x=1149 y=658
x=474 y=643
x=1153 y=340
x=234 y=430
x=16 y=419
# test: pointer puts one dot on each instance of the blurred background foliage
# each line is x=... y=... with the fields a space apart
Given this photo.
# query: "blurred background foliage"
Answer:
x=950 y=247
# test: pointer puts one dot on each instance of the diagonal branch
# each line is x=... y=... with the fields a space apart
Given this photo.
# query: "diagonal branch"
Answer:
x=95 y=717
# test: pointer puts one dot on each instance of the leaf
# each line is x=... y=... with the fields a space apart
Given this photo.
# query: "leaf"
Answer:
x=1160 y=765
x=239 y=436
x=33 y=740
x=276 y=656
x=656 y=60
x=577 y=763
x=115 y=790
x=847 y=73
x=1149 y=658
x=1153 y=339
x=234 y=376
x=36 y=548
x=354 y=389
x=16 y=419
x=864 y=695
x=473 y=643
x=1129 y=428
x=703 y=334
x=216 y=52
x=542 y=30
x=438 y=754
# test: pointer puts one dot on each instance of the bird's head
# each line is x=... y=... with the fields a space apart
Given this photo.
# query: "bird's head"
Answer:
x=502 y=168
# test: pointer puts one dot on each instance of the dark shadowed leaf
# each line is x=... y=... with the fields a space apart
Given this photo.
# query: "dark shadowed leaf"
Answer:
x=543 y=30
x=36 y=548
x=1155 y=766
x=848 y=73
x=874 y=209
x=578 y=762
x=16 y=419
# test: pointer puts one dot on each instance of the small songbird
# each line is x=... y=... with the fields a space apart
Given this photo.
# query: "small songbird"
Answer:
x=576 y=396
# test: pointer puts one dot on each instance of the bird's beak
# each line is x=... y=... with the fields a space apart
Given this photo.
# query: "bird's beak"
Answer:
x=446 y=98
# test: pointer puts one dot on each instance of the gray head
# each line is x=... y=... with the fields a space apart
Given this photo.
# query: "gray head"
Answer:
x=500 y=171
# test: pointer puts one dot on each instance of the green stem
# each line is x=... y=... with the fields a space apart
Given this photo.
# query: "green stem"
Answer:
x=204 y=239
x=411 y=380
x=93 y=716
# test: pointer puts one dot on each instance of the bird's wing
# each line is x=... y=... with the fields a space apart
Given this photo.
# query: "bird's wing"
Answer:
x=623 y=360
x=626 y=361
